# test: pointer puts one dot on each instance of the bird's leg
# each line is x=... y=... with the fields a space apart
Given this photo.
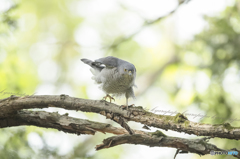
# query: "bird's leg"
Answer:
x=126 y=103
x=110 y=98
x=126 y=106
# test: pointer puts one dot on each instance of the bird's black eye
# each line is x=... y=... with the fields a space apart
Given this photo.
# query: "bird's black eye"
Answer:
x=125 y=70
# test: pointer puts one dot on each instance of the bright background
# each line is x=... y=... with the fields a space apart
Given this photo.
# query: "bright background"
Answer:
x=186 y=62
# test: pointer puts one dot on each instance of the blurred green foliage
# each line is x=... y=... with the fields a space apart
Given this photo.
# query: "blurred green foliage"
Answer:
x=18 y=71
x=217 y=50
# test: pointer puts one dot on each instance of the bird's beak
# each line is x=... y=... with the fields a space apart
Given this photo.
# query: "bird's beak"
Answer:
x=130 y=73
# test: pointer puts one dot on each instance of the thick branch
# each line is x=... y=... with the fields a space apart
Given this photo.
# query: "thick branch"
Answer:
x=60 y=122
x=198 y=146
x=138 y=114
x=80 y=126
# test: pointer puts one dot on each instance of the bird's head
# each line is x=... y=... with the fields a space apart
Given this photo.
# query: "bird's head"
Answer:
x=128 y=69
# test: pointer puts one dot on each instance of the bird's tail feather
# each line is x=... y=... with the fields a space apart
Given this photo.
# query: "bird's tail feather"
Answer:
x=95 y=65
x=88 y=62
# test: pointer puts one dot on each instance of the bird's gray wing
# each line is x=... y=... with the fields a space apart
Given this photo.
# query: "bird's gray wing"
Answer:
x=109 y=61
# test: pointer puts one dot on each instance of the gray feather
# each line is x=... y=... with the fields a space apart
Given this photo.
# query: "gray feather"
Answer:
x=109 y=61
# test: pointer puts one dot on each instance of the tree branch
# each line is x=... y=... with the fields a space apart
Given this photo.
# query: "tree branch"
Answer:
x=178 y=123
x=60 y=122
x=157 y=139
x=80 y=126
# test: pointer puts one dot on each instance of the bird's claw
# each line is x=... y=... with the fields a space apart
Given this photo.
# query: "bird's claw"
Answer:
x=110 y=98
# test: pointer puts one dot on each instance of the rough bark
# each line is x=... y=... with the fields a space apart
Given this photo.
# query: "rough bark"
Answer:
x=80 y=126
x=60 y=122
x=112 y=111
x=197 y=146
x=13 y=113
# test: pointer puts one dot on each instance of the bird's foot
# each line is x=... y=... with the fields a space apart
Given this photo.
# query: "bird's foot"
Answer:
x=126 y=106
x=110 y=98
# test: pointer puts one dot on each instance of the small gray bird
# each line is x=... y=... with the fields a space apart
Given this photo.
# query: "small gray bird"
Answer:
x=115 y=76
